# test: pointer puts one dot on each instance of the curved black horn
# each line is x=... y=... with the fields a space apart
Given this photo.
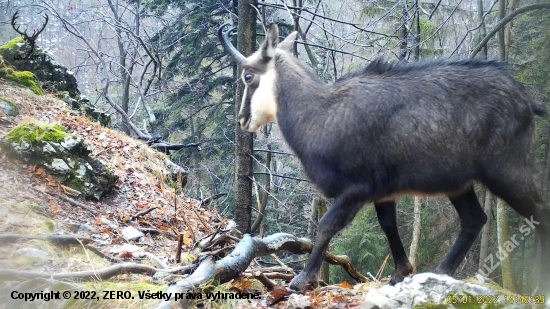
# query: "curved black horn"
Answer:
x=226 y=43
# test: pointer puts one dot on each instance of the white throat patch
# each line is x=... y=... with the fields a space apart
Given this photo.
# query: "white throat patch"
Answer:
x=263 y=105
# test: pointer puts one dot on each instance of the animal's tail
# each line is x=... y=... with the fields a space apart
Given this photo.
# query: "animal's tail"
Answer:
x=539 y=109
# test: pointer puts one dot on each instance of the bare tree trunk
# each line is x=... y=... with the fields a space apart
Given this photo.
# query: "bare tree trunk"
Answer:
x=246 y=43
x=508 y=30
x=508 y=18
x=501 y=44
x=502 y=217
x=324 y=273
x=417 y=36
x=314 y=218
x=318 y=210
x=296 y=3
x=482 y=29
x=417 y=229
x=404 y=33
x=502 y=232
x=265 y=196
x=486 y=231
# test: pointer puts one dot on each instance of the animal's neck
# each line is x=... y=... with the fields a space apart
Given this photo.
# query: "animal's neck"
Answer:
x=300 y=97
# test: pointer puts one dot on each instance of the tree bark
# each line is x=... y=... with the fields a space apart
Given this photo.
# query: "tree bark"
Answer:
x=246 y=44
x=417 y=228
x=502 y=217
x=501 y=44
x=485 y=233
x=417 y=36
x=403 y=33
x=506 y=263
x=324 y=274
x=508 y=31
x=265 y=196
x=505 y=21
x=314 y=218
x=482 y=28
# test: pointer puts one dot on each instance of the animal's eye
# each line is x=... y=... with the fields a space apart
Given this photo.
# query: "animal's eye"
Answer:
x=248 y=77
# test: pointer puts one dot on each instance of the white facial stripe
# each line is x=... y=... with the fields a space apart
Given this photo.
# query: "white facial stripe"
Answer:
x=263 y=106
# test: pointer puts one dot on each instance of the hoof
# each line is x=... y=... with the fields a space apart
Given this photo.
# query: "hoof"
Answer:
x=400 y=274
x=303 y=282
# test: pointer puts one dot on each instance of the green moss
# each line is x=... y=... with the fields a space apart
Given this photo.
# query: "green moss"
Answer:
x=27 y=79
x=11 y=103
x=11 y=45
x=78 y=184
x=50 y=225
x=12 y=108
x=5 y=72
x=31 y=132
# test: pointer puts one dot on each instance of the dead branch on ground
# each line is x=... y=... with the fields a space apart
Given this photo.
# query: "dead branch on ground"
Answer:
x=238 y=261
x=98 y=274
x=60 y=240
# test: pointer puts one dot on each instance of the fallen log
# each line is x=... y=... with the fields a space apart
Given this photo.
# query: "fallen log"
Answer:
x=238 y=261
x=77 y=204
x=60 y=240
x=142 y=213
x=98 y=274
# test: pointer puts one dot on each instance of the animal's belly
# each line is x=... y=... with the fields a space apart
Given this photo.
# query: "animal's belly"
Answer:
x=421 y=193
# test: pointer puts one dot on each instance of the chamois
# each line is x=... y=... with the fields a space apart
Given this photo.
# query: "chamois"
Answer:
x=424 y=128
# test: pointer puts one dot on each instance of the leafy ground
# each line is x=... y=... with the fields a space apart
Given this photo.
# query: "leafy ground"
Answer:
x=31 y=204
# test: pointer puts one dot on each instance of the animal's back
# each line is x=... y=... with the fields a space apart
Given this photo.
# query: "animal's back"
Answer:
x=425 y=126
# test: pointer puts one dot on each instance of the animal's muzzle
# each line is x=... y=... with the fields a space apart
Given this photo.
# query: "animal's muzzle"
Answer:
x=244 y=121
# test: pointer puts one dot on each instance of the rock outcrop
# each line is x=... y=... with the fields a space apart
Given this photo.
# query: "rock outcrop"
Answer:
x=9 y=107
x=429 y=290
x=63 y=155
x=27 y=69
x=53 y=75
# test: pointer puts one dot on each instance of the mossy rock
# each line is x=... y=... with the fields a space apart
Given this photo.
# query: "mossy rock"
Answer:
x=9 y=108
x=53 y=75
x=28 y=80
x=82 y=103
x=96 y=115
x=63 y=155
x=31 y=133
x=24 y=78
x=5 y=72
x=9 y=50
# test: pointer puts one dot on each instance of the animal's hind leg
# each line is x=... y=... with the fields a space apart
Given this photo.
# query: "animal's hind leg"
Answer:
x=472 y=218
x=387 y=217
x=521 y=194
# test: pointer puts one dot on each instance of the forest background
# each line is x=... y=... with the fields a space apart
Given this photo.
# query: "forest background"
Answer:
x=158 y=69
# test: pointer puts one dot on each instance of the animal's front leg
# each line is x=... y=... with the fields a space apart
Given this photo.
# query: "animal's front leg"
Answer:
x=387 y=217
x=342 y=212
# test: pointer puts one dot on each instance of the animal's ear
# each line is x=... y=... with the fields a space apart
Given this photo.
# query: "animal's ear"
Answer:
x=271 y=41
x=288 y=43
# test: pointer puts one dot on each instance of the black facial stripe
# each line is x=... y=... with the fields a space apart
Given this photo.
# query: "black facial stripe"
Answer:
x=245 y=109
